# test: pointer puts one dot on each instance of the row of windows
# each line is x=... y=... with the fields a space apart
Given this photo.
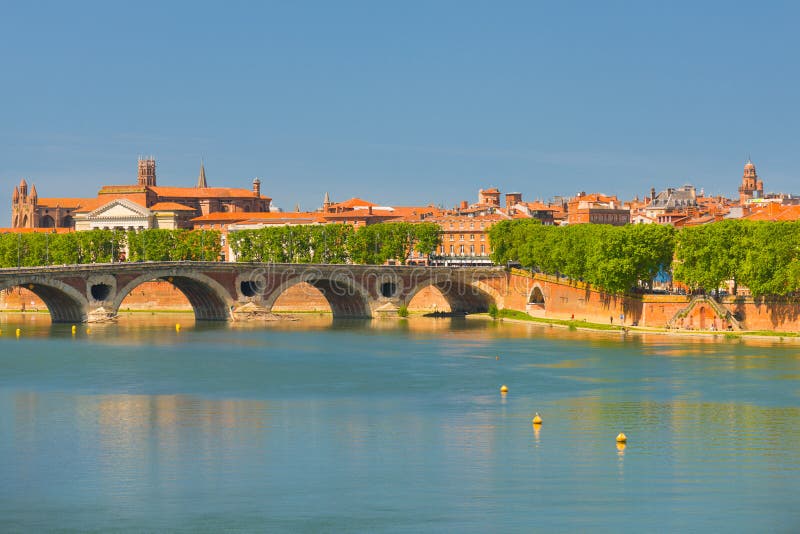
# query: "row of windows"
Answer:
x=461 y=224
x=471 y=237
x=462 y=250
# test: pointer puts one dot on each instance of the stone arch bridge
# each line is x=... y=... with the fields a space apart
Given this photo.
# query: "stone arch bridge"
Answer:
x=94 y=292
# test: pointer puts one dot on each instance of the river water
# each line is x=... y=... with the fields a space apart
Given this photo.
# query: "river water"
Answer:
x=392 y=426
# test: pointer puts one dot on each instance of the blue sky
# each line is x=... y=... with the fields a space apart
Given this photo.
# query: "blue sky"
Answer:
x=399 y=102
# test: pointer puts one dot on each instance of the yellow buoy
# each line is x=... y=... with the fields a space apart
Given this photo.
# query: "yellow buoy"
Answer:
x=537 y=419
x=88 y=330
x=177 y=327
x=19 y=332
x=74 y=329
x=622 y=438
x=503 y=389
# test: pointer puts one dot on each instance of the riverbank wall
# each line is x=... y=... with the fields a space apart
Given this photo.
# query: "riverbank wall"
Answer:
x=559 y=298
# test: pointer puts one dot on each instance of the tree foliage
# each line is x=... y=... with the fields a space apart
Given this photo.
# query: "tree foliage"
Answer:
x=103 y=246
x=613 y=258
x=335 y=243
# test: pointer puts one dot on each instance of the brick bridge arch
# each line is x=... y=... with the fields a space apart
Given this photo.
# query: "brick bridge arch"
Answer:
x=463 y=295
x=209 y=299
x=345 y=295
x=65 y=303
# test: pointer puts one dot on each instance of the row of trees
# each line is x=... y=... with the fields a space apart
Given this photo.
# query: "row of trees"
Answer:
x=103 y=246
x=332 y=243
x=764 y=256
x=614 y=258
x=335 y=243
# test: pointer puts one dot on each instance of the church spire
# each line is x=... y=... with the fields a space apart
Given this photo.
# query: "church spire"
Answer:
x=201 y=180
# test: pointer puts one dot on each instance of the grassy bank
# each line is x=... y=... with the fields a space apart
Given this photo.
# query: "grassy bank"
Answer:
x=519 y=316
x=572 y=325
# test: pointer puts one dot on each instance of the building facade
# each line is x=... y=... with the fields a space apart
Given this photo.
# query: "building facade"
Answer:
x=143 y=205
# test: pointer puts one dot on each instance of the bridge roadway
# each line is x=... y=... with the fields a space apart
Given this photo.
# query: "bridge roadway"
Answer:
x=216 y=290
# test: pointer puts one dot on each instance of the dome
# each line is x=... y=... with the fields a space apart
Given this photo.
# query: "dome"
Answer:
x=749 y=164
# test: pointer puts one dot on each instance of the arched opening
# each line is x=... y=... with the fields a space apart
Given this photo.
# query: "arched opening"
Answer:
x=249 y=288
x=48 y=222
x=536 y=303
x=429 y=300
x=388 y=289
x=301 y=298
x=207 y=298
x=537 y=297
x=67 y=222
x=64 y=303
x=462 y=298
x=344 y=299
x=155 y=295
x=25 y=221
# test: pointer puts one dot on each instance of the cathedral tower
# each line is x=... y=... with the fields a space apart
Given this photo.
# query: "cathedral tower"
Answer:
x=751 y=186
x=147 y=172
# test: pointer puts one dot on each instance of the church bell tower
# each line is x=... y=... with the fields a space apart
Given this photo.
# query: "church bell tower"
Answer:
x=147 y=172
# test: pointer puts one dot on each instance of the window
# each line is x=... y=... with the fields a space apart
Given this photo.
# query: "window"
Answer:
x=461 y=249
x=472 y=250
x=483 y=250
x=462 y=237
x=452 y=237
x=471 y=225
x=472 y=237
x=451 y=249
x=441 y=250
x=483 y=237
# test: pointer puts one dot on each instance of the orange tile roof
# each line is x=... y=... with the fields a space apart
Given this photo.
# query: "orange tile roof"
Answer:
x=170 y=206
x=361 y=214
x=538 y=206
x=63 y=202
x=122 y=189
x=775 y=212
x=204 y=192
x=309 y=219
x=92 y=204
x=236 y=216
x=353 y=203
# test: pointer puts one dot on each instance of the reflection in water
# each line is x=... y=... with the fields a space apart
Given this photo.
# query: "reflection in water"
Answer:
x=318 y=425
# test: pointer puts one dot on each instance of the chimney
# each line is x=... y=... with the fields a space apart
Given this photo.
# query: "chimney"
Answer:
x=464 y=205
x=512 y=199
x=257 y=187
x=652 y=193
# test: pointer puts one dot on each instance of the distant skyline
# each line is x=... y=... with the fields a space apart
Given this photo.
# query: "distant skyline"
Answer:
x=399 y=103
